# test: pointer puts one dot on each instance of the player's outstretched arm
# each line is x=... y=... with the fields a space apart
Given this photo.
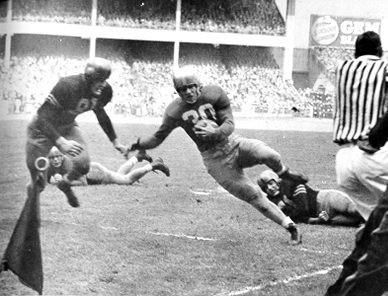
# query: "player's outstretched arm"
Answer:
x=107 y=126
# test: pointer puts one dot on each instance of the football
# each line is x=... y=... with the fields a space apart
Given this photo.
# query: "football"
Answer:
x=206 y=122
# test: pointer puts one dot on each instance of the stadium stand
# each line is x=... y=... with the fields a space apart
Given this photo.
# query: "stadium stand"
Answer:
x=69 y=11
x=248 y=17
x=141 y=76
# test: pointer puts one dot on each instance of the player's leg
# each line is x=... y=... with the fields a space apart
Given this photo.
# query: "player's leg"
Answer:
x=349 y=182
x=127 y=166
x=254 y=152
x=112 y=177
x=340 y=207
x=233 y=179
x=34 y=150
x=80 y=164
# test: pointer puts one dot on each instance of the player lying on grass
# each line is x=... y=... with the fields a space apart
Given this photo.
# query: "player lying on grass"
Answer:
x=99 y=174
x=307 y=205
x=204 y=112
x=54 y=123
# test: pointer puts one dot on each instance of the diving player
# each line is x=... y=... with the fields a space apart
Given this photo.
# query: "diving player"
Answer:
x=224 y=153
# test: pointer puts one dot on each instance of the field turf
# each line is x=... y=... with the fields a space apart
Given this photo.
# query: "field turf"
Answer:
x=182 y=235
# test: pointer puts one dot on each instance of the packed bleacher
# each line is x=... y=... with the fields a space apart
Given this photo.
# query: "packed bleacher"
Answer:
x=142 y=70
x=69 y=11
x=141 y=75
x=244 y=16
x=331 y=56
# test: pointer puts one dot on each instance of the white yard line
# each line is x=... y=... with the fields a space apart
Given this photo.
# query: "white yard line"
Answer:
x=199 y=192
x=150 y=232
x=275 y=283
x=311 y=251
x=183 y=236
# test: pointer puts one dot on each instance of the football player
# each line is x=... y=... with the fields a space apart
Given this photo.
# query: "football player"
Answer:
x=224 y=153
x=54 y=122
x=99 y=174
x=305 y=204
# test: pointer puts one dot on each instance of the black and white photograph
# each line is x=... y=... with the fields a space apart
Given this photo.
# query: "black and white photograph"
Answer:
x=194 y=148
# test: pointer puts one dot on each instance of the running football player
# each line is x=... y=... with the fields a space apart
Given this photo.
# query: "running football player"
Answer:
x=99 y=174
x=54 y=122
x=224 y=153
x=305 y=204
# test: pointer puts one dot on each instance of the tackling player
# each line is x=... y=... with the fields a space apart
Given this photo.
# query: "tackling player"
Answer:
x=54 y=122
x=224 y=153
x=99 y=174
x=305 y=204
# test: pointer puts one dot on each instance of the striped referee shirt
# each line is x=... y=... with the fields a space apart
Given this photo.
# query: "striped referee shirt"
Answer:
x=361 y=97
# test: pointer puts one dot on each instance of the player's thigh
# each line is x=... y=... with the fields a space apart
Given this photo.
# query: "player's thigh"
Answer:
x=347 y=174
x=253 y=152
x=233 y=179
x=372 y=171
x=336 y=200
x=81 y=161
x=35 y=148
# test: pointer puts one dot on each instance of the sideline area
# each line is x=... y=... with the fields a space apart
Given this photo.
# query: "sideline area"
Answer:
x=287 y=123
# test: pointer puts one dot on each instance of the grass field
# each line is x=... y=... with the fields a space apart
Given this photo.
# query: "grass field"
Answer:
x=181 y=235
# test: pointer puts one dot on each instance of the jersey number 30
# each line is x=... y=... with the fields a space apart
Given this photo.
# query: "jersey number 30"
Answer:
x=205 y=111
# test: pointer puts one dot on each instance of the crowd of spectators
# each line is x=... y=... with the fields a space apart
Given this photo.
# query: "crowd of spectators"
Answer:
x=142 y=70
x=69 y=11
x=242 y=16
x=331 y=56
x=141 y=76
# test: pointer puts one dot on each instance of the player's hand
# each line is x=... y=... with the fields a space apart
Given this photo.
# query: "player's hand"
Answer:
x=70 y=147
x=366 y=146
x=121 y=148
x=205 y=131
x=56 y=179
x=324 y=216
x=135 y=146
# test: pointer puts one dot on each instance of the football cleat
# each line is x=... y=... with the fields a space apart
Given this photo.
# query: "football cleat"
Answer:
x=66 y=189
x=293 y=176
x=142 y=155
x=296 y=238
x=158 y=165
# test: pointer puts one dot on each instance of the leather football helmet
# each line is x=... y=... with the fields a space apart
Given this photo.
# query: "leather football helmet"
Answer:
x=267 y=176
x=184 y=77
x=97 y=69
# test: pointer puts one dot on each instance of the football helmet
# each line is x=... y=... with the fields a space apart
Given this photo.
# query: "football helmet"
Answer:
x=187 y=84
x=97 y=69
x=267 y=176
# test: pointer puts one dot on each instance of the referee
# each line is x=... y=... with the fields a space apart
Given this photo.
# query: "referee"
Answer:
x=362 y=165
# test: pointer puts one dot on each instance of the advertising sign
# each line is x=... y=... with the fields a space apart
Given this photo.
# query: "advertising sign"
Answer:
x=338 y=31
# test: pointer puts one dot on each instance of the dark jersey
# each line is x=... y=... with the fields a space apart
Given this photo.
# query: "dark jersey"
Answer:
x=70 y=97
x=212 y=104
x=300 y=200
